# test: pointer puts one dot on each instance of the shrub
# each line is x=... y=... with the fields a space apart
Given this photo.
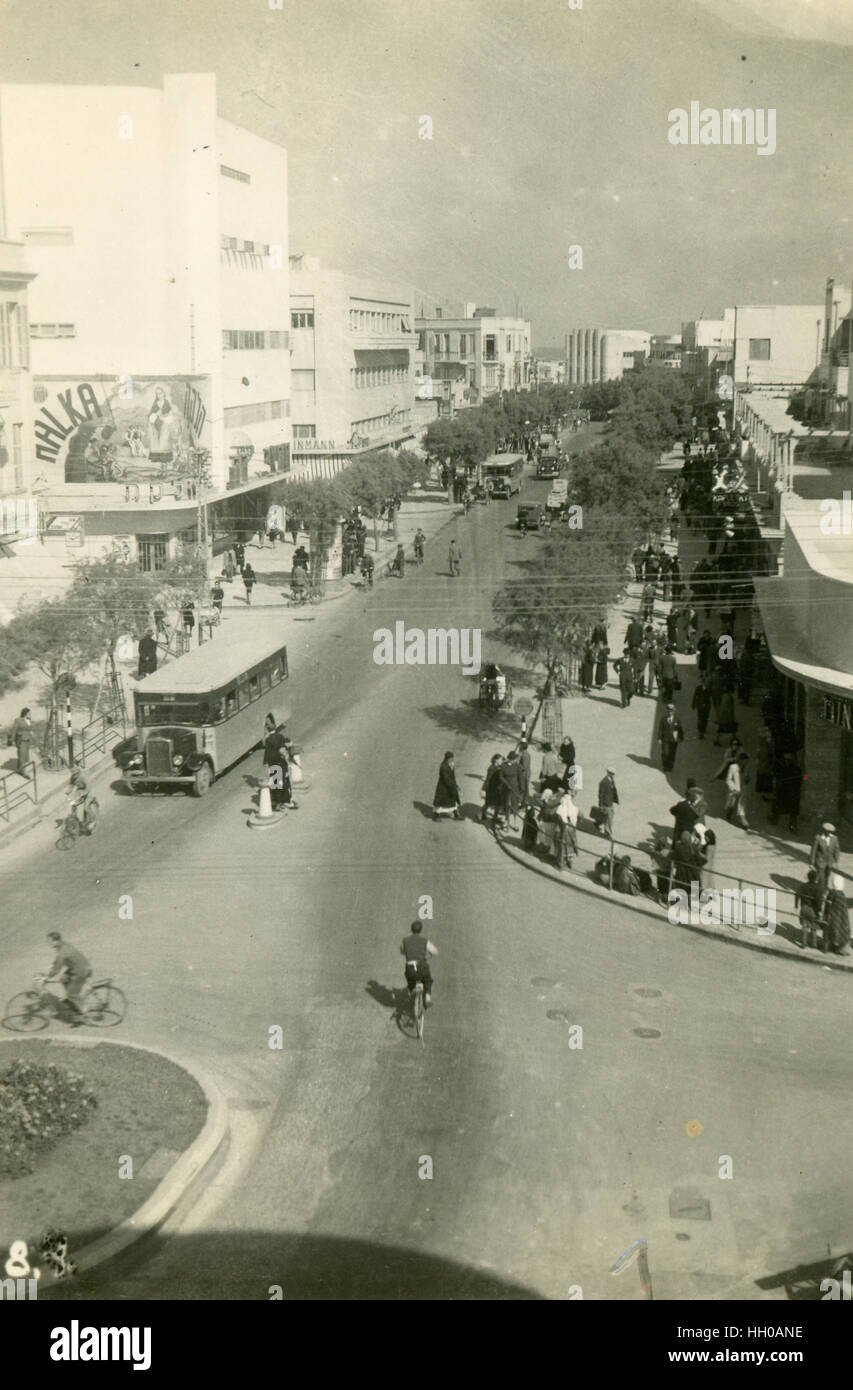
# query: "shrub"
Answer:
x=38 y=1104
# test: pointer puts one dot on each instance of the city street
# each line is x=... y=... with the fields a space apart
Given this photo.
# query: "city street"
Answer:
x=548 y=1161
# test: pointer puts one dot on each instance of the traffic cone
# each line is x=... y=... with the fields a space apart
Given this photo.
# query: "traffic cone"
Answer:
x=265 y=816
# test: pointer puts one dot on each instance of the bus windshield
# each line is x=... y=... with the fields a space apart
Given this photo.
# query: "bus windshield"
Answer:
x=192 y=712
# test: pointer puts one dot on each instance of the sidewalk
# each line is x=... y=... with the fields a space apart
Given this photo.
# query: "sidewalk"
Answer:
x=605 y=735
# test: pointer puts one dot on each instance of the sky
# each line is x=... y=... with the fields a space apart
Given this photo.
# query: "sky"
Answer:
x=549 y=130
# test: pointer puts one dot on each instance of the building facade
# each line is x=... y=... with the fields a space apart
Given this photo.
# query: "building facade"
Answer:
x=665 y=350
x=352 y=366
x=18 y=508
x=160 y=313
x=604 y=354
x=777 y=344
x=480 y=350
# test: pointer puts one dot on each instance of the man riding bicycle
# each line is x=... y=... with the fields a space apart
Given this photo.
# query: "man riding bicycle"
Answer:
x=417 y=949
x=71 y=969
x=81 y=796
x=420 y=543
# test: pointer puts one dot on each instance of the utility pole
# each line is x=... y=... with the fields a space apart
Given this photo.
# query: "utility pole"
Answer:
x=201 y=461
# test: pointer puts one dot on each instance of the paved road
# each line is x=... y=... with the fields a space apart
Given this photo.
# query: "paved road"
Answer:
x=548 y=1161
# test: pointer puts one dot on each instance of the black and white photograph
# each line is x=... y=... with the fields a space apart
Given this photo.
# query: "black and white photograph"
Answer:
x=426 y=661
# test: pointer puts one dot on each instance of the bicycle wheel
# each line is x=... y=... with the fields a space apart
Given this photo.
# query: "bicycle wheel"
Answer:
x=103 y=1006
x=418 y=1011
x=70 y=832
x=23 y=1014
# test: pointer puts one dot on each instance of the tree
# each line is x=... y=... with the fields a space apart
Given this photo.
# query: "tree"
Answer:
x=622 y=479
x=55 y=638
x=110 y=597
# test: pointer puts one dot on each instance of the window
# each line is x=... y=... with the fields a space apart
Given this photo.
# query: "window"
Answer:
x=490 y=348
x=302 y=318
x=238 y=415
x=254 y=688
x=52 y=330
x=18 y=453
x=263 y=681
x=509 y=342
x=277 y=458
x=153 y=552
x=248 y=246
x=253 y=339
x=237 y=174
x=759 y=349
x=446 y=344
x=275 y=670
x=463 y=344
x=304 y=431
x=230 y=703
x=167 y=710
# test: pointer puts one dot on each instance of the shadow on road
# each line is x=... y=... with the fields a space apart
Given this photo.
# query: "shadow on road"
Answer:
x=260 y=1266
x=469 y=721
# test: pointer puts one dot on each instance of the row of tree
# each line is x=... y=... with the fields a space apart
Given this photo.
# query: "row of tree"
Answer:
x=570 y=581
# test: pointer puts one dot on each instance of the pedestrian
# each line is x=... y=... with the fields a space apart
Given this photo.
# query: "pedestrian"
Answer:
x=826 y=852
x=687 y=861
x=493 y=797
x=608 y=800
x=705 y=653
x=625 y=878
x=586 y=668
x=626 y=679
x=281 y=792
x=736 y=780
x=598 y=636
x=808 y=900
x=648 y=602
x=551 y=772
x=667 y=673
x=228 y=568
x=601 y=654
x=524 y=772
x=248 y=581
x=567 y=754
x=529 y=829
x=837 y=917
x=22 y=737
x=726 y=722
x=566 y=840
x=670 y=734
x=420 y=544
x=454 y=557
x=634 y=633
x=217 y=598
x=686 y=814
x=147 y=654
x=447 y=798
x=240 y=555
x=701 y=702
x=513 y=781
x=398 y=564
x=188 y=616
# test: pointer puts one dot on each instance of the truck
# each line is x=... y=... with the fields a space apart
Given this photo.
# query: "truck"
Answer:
x=558 y=498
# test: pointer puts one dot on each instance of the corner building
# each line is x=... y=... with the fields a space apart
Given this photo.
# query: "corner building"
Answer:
x=159 y=315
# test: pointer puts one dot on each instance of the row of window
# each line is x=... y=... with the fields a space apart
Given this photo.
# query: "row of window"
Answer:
x=234 y=243
x=375 y=321
x=257 y=414
x=302 y=318
x=237 y=174
x=465 y=344
x=219 y=707
x=17 y=460
x=361 y=377
x=377 y=423
x=53 y=330
x=253 y=340
x=14 y=337
x=304 y=432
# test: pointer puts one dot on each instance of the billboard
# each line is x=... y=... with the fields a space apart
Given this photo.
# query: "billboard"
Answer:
x=120 y=429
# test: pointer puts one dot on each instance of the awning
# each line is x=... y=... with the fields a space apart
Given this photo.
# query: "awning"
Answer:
x=790 y=650
x=382 y=357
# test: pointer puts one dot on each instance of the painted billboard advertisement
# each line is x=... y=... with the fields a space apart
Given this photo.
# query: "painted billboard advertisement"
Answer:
x=120 y=429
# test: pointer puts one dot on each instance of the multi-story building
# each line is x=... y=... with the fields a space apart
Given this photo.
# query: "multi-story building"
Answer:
x=604 y=354
x=160 y=315
x=18 y=509
x=481 y=350
x=550 y=366
x=707 y=354
x=352 y=365
x=833 y=406
x=665 y=350
x=777 y=345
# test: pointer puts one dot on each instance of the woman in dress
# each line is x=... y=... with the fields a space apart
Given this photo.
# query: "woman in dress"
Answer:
x=586 y=668
x=601 y=654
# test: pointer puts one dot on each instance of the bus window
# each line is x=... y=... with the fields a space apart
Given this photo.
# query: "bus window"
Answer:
x=254 y=688
x=217 y=711
x=264 y=679
x=243 y=693
x=230 y=703
x=275 y=670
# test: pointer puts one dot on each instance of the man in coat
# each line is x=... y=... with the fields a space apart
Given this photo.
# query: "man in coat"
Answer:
x=608 y=800
x=826 y=852
x=447 y=798
x=670 y=734
x=701 y=702
x=686 y=813
x=147 y=654
x=626 y=679
x=22 y=737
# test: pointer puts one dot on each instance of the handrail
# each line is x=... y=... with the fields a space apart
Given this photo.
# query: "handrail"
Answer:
x=27 y=792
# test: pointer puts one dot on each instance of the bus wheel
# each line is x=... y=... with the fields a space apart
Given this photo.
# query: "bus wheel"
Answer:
x=203 y=780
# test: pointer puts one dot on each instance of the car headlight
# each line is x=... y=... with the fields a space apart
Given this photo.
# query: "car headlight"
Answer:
x=177 y=760
x=135 y=761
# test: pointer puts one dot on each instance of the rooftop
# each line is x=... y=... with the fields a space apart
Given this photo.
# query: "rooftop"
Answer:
x=212 y=666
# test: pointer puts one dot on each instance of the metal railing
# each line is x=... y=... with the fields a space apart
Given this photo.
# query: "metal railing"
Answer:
x=98 y=736
x=658 y=865
x=28 y=791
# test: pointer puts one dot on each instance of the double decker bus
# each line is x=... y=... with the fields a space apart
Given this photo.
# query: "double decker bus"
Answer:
x=503 y=474
x=204 y=711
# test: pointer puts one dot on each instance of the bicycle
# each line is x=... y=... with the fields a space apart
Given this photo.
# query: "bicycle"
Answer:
x=418 y=1009
x=103 y=1005
x=73 y=826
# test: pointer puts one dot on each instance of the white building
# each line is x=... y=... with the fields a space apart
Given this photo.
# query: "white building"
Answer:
x=160 y=315
x=352 y=365
x=604 y=354
x=478 y=350
x=18 y=512
x=777 y=344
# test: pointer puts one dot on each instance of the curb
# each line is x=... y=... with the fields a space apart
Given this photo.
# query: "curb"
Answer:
x=595 y=890
x=180 y=1178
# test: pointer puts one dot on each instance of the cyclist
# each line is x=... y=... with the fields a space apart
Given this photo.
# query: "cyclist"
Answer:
x=417 y=949
x=420 y=542
x=367 y=567
x=72 y=969
x=81 y=797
